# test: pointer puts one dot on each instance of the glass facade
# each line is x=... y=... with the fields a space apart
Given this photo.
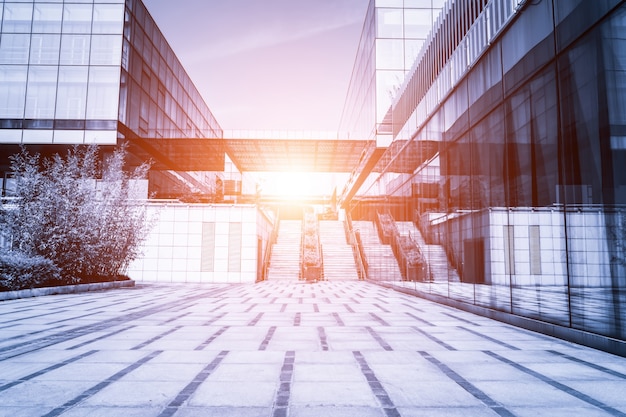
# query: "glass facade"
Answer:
x=157 y=97
x=60 y=71
x=97 y=71
x=393 y=34
x=505 y=165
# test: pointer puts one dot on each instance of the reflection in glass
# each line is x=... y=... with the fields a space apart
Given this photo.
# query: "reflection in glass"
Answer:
x=103 y=93
x=108 y=18
x=44 y=49
x=12 y=91
x=77 y=18
x=71 y=93
x=106 y=49
x=75 y=49
x=41 y=92
x=14 y=48
x=17 y=17
x=47 y=18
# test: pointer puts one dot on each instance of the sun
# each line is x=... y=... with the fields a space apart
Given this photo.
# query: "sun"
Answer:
x=292 y=185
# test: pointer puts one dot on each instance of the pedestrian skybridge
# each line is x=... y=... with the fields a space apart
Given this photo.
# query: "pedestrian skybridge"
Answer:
x=254 y=151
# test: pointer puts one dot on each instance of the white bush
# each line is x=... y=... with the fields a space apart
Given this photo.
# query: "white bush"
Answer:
x=60 y=214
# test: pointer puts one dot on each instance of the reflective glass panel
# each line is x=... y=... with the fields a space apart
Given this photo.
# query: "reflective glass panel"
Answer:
x=389 y=54
x=75 y=49
x=417 y=23
x=47 y=18
x=389 y=23
x=106 y=50
x=41 y=92
x=72 y=93
x=17 y=17
x=103 y=93
x=44 y=49
x=108 y=18
x=12 y=91
x=77 y=18
x=14 y=48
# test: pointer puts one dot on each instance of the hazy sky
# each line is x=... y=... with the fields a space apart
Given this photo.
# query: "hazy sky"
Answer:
x=266 y=64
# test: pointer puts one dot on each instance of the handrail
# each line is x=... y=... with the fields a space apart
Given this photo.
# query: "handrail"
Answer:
x=429 y=272
x=357 y=247
x=267 y=256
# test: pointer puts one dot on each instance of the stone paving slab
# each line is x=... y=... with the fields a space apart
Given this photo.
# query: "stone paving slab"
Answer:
x=287 y=349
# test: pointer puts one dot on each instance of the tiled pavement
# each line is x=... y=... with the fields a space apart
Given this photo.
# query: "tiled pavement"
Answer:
x=287 y=349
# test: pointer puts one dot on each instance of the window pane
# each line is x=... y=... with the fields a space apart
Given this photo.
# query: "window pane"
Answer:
x=108 y=18
x=106 y=50
x=17 y=17
x=417 y=23
x=12 y=91
x=14 y=48
x=72 y=93
x=41 y=92
x=44 y=49
x=77 y=18
x=104 y=84
x=75 y=49
x=47 y=18
x=389 y=54
x=389 y=23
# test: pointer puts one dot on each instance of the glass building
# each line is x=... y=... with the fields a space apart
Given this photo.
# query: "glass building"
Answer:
x=97 y=71
x=505 y=163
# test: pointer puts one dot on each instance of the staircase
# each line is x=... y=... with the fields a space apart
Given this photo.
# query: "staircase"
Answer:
x=382 y=264
x=285 y=258
x=337 y=253
x=436 y=258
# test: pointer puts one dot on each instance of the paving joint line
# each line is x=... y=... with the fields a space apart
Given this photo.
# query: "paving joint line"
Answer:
x=468 y=386
x=46 y=370
x=379 y=339
x=184 y=395
x=338 y=319
x=421 y=320
x=379 y=319
x=18 y=349
x=101 y=337
x=558 y=385
x=268 y=338
x=389 y=408
x=281 y=402
x=491 y=339
x=589 y=364
x=460 y=319
x=100 y=386
x=155 y=338
x=321 y=332
x=433 y=338
x=255 y=320
x=212 y=338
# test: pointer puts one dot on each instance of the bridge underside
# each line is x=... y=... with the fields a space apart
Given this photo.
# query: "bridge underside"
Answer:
x=250 y=155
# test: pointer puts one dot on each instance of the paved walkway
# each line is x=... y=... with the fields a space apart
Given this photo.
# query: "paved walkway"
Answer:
x=287 y=349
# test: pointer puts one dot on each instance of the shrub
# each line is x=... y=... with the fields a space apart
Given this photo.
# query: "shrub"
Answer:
x=410 y=250
x=311 y=250
x=86 y=227
x=387 y=227
x=19 y=271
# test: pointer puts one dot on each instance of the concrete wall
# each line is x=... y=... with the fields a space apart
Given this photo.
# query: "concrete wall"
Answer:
x=202 y=243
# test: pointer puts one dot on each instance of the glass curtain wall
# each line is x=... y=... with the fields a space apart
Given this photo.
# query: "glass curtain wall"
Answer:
x=59 y=71
x=158 y=98
x=512 y=187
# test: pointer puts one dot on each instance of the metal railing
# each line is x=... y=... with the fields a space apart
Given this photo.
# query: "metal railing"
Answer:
x=357 y=247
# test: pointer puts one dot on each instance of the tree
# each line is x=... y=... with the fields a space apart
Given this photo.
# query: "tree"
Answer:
x=77 y=212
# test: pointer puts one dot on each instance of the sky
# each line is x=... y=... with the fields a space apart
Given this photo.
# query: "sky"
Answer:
x=266 y=64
